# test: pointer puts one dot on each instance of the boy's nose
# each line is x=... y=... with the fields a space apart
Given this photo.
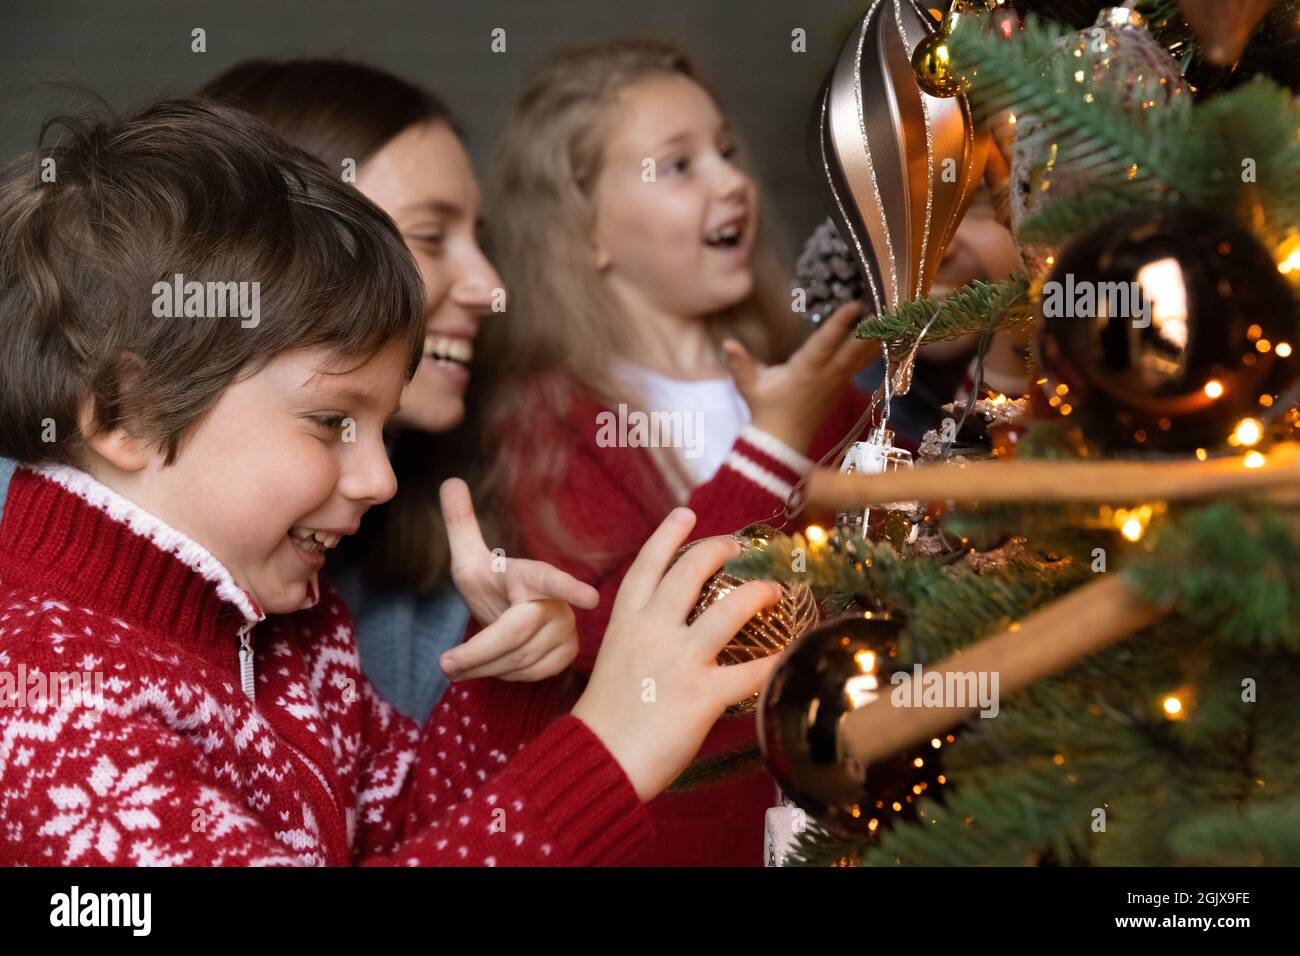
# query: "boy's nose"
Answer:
x=368 y=474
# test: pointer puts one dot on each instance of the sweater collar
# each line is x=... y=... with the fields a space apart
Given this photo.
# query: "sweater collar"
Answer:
x=79 y=539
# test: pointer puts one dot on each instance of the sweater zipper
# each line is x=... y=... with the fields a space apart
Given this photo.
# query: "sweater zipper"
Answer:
x=336 y=815
x=246 y=676
x=248 y=684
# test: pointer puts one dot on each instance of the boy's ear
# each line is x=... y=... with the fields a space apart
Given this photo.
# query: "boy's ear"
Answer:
x=118 y=447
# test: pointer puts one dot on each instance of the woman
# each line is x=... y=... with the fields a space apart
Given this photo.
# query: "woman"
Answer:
x=400 y=146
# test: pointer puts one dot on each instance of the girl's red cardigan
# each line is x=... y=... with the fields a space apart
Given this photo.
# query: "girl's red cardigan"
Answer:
x=609 y=500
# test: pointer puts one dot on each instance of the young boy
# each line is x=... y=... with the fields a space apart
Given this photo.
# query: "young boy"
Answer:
x=202 y=333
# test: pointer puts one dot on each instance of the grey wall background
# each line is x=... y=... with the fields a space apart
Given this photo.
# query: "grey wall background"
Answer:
x=134 y=51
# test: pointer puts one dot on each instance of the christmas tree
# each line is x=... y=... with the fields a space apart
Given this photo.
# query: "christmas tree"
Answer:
x=1122 y=544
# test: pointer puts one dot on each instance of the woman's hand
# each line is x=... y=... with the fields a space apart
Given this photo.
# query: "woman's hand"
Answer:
x=529 y=632
x=790 y=401
x=657 y=687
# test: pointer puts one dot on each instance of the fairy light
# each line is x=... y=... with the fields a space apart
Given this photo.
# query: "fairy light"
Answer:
x=1290 y=256
x=815 y=534
x=1248 y=432
x=1283 y=350
x=1130 y=522
x=1178 y=703
x=1253 y=460
x=1214 y=388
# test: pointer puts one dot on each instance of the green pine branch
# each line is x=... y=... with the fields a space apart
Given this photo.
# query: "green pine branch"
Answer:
x=975 y=308
x=1233 y=571
x=1261 y=834
x=1090 y=123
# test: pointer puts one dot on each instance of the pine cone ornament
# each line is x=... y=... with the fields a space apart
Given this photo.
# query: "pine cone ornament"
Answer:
x=826 y=273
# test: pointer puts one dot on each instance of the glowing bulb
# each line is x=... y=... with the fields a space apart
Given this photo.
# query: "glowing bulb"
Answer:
x=1283 y=349
x=866 y=661
x=1132 y=524
x=816 y=534
x=1172 y=706
x=1214 y=388
x=1248 y=432
x=1253 y=460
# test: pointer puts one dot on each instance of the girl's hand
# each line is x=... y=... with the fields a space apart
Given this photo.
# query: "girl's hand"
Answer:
x=657 y=687
x=791 y=401
x=529 y=631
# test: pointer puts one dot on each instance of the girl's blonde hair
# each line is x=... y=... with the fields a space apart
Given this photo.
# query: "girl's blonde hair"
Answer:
x=564 y=331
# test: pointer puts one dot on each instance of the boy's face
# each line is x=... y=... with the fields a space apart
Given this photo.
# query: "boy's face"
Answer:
x=285 y=452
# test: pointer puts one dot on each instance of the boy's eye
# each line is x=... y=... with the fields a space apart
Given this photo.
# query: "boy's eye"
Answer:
x=730 y=150
x=329 y=422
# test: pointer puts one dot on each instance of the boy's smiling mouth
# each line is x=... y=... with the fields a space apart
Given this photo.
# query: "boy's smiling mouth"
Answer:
x=310 y=544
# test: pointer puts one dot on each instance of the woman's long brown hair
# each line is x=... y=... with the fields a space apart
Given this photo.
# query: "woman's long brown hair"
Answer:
x=337 y=110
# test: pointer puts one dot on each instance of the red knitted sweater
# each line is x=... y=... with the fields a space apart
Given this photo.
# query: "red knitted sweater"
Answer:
x=171 y=754
x=610 y=499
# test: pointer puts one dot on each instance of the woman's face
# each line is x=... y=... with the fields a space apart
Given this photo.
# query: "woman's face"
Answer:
x=679 y=244
x=423 y=179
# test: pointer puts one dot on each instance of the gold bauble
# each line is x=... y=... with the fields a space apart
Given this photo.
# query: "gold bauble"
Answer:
x=769 y=631
x=932 y=64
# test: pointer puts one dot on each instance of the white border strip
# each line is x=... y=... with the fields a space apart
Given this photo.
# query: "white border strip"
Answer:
x=777 y=449
x=154 y=530
x=758 y=475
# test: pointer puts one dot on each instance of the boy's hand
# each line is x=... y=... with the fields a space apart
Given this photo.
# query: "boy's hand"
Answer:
x=529 y=631
x=657 y=687
x=790 y=401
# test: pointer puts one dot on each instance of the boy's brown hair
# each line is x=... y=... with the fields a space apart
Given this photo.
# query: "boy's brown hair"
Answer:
x=89 y=226
x=339 y=110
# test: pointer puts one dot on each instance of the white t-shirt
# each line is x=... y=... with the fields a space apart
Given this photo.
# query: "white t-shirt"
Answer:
x=709 y=416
